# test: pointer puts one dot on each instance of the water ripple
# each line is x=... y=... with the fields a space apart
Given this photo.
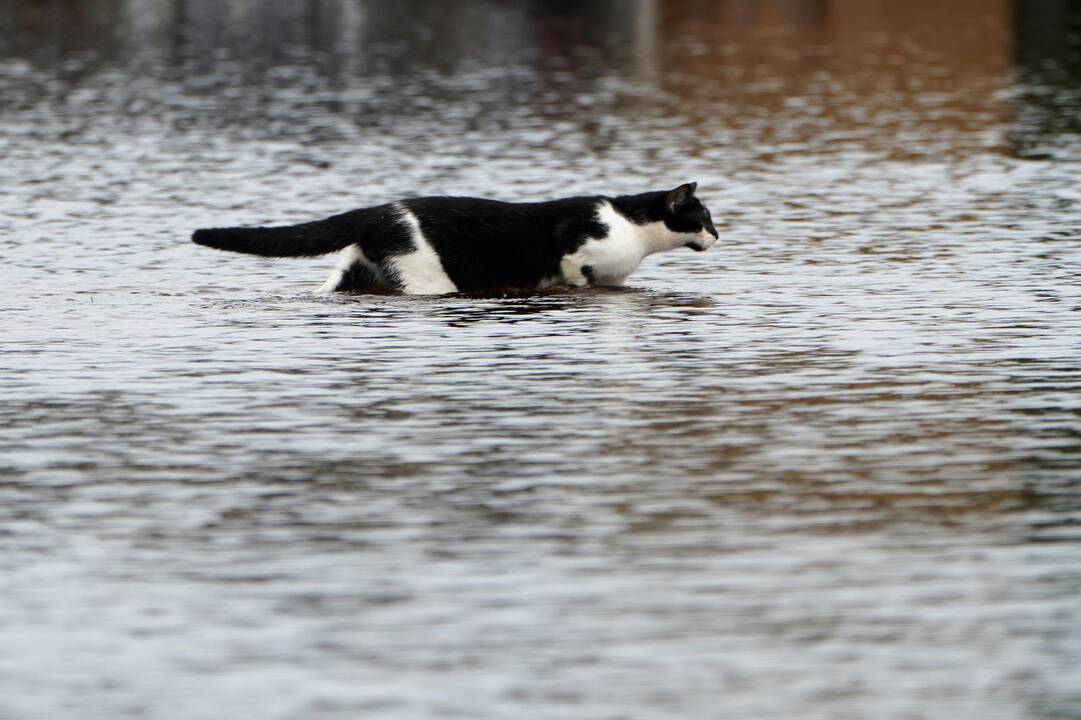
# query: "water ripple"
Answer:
x=828 y=469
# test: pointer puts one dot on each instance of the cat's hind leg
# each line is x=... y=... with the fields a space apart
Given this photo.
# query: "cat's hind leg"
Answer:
x=418 y=270
x=353 y=271
x=359 y=276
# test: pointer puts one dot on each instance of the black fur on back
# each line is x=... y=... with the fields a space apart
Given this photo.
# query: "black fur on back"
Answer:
x=488 y=243
x=642 y=208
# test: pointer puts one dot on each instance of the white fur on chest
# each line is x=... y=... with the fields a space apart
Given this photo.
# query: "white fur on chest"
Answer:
x=617 y=255
x=612 y=258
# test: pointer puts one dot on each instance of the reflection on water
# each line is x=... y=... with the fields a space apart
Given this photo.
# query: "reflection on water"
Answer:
x=1049 y=74
x=828 y=469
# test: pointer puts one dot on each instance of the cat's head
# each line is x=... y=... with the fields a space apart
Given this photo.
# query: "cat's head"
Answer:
x=687 y=215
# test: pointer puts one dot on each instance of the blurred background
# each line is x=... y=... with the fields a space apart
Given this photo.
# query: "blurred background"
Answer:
x=829 y=469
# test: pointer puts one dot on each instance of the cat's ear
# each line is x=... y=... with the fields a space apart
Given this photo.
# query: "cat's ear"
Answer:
x=679 y=196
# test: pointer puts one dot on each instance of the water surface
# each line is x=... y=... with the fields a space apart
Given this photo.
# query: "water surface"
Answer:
x=828 y=469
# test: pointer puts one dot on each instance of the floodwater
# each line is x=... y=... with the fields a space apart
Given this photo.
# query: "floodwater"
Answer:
x=829 y=469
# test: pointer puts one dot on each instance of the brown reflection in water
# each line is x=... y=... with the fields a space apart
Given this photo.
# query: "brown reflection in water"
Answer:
x=841 y=475
x=890 y=76
x=48 y=29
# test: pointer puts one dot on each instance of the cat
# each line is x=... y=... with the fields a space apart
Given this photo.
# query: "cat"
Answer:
x=436 y=245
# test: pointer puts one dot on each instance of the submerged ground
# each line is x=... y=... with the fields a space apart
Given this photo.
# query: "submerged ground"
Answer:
x=828 y=469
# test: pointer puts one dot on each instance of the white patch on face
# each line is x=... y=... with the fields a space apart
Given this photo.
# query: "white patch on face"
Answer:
x=703 y=238
x=348 y=257
x=420 y=271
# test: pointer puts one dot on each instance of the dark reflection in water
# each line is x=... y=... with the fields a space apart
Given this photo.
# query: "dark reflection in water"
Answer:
x=1049 y=74
x=828 y=469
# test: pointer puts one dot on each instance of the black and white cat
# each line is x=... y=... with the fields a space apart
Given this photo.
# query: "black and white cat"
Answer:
x=435 y=245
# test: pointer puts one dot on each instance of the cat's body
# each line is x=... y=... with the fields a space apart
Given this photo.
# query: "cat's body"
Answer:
x=439 y=245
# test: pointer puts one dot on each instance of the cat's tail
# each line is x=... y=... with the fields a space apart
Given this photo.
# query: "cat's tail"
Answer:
x=304 y=240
